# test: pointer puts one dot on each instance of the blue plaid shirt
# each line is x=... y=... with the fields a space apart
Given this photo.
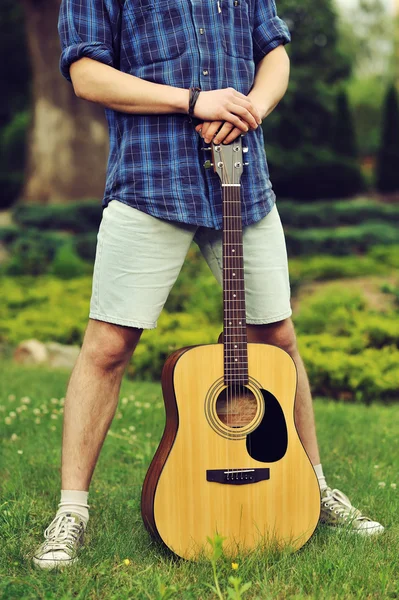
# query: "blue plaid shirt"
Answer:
x=155 y=161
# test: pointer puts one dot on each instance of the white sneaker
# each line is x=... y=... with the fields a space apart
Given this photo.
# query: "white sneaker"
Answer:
x=338 y=512
x=64 y=537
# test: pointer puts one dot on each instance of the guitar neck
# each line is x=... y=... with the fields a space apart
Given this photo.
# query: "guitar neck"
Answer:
x=234 y=314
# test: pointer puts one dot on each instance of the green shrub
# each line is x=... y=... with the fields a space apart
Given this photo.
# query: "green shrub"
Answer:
x=8 y=234
x=12 y=157
x=32 y=253
x=351 y=351
x=314 y=175
x=85 y=246
x=67 y=264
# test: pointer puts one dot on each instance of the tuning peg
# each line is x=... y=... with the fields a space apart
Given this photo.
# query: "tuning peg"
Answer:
x=208 y=164
x=245 y=149
x=206 y=148
x=246 y=164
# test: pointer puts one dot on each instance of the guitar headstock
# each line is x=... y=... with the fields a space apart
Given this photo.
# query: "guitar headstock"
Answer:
x=227 y=160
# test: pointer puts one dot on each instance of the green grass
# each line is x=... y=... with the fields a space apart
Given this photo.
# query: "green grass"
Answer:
x=353 y=440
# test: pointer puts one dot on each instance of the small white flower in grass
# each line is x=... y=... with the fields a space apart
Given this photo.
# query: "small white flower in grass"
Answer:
x=54 y=401
x=376 y=466
x=147 y=405
x=137 y=404
x=54 y=416
x=124 y=401
x=119 y=415
x=19 y=409
x=53 y=428
x=393 y=486
x=8 y=420
x=20 y=451
x=37 y=421
x=14 y=437
x=132 y=397
x=12 y=414
x=148 y=434
x=62 y=401
x=24 y=407
x=381 y=484
x=61 y=411
x=25 y=400
x=36 y=411
x=55 y=411
x=133 y=438
x=124 y=430
x=11 y=397
x=159 y=405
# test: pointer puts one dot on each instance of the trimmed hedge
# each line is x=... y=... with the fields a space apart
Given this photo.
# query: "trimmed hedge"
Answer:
x=342 y=241
x=334 y=214
x=76 y=217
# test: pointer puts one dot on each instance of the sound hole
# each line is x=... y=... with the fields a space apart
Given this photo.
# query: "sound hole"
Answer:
x=236 y=405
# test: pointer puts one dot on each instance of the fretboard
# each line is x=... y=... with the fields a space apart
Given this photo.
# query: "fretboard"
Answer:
x=234 y=326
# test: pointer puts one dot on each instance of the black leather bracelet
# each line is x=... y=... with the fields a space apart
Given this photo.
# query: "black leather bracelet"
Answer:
x=194 y=93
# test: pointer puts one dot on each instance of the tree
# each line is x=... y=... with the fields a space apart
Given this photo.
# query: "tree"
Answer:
x=387 y=169
x=344 y=137
x=68 y=140
x=298 y=135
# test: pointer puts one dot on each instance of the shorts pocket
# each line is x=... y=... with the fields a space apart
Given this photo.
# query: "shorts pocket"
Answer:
x=156 y=29
x=237 y=30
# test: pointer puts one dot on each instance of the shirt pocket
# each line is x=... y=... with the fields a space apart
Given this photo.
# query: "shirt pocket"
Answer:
x=156 y=30
x=237 y=29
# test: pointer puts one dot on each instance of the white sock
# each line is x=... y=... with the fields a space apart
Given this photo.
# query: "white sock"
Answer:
x=74 y=501
x=320 y=477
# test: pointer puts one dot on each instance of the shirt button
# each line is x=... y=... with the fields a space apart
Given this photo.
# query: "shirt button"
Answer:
x=205 y=72
x=202 y=30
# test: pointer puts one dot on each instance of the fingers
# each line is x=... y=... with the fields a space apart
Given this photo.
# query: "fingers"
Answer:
x=243 y=112
x=223 y=132
x=231 y=134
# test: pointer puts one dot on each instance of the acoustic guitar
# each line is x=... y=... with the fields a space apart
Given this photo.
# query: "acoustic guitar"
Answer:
x=230 y=460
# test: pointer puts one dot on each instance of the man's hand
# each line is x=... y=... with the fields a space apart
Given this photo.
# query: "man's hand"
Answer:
x=227 y=110
x=226 y=129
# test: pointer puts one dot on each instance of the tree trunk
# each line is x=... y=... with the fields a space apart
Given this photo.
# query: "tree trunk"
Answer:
x=68 y=138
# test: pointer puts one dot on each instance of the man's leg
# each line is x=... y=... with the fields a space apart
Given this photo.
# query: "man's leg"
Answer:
x=336 y=508
x=90 y=404
x=92 y=398
x=282 y=334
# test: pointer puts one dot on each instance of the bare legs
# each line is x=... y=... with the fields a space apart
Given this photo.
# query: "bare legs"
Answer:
x=92 y=398
x=282 y=334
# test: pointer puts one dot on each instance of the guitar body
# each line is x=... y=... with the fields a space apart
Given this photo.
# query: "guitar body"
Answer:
x=247 y=478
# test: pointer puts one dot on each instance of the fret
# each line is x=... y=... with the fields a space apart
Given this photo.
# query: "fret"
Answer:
x=231 y=184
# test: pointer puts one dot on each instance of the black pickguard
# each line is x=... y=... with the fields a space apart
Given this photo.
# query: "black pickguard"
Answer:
x=268 y=443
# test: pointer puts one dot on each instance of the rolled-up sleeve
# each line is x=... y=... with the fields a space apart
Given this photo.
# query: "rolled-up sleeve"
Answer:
x=269 y=30
x=85 y=29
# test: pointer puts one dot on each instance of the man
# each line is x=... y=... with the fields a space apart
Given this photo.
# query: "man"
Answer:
x=158 y=198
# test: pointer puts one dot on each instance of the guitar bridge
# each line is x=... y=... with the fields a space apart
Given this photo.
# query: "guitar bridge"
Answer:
x=237 y=476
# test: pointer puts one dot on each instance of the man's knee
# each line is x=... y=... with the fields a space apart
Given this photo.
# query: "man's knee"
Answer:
x=281 y=334
x=109 y=346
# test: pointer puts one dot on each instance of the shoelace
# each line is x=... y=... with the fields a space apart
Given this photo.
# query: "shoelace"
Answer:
x=341 y=505
x=62 y=531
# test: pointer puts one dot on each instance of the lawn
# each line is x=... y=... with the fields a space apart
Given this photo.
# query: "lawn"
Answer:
x=360 y=456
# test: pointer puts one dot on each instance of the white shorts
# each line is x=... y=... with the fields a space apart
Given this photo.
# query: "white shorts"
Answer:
x=139 y=257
